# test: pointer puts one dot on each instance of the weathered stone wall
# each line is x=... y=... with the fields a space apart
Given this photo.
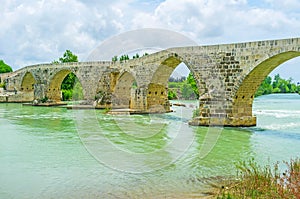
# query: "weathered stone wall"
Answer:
x=157 y=98
x=227 y=77
x=45 y=79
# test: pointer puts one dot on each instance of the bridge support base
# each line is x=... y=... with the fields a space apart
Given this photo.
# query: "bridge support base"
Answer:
x=245 y=121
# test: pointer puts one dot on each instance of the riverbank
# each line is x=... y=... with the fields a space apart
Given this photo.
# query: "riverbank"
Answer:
x=268 y=182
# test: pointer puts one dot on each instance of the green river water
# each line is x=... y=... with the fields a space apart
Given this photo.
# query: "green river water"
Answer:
x=61 y=153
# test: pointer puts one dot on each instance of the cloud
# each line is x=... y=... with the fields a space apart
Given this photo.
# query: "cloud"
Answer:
x=40 y=31
x=220 y=21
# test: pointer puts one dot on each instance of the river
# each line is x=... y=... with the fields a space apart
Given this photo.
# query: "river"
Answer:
x=61 y=153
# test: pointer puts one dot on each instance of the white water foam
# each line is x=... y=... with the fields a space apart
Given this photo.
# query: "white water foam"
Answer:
x=278 y=113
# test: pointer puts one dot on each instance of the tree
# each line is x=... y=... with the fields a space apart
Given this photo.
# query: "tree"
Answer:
x=191 y=80
x=187 y=91
x=278 y=85
x=136 y=56
x=124 y=57
x=4 y=68
x=265 y=87
x=68 y=57
x=114 y=58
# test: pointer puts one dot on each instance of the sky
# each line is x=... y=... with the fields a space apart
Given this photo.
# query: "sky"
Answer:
x=40 y=31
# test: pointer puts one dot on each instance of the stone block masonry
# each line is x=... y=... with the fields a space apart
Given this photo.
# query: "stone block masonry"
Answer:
x=227 y=78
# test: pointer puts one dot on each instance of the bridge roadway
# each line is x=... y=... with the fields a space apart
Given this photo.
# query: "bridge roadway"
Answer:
x=227 y=77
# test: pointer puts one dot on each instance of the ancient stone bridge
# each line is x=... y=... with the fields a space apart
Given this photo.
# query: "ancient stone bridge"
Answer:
x=227 y=77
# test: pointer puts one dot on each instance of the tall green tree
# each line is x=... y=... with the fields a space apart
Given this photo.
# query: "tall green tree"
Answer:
x=4 y=68
x=265 y=87
x=277 y=85
x=68 y=57
x=191 y=80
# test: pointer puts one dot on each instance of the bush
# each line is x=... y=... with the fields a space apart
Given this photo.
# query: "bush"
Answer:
x=2 y=85
x=254 y=181
x=196 y=112
x=172 y=95
x=44 y=100
x=67 y=95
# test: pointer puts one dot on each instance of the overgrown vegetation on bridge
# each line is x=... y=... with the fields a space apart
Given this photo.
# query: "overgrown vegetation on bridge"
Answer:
x=126 y=57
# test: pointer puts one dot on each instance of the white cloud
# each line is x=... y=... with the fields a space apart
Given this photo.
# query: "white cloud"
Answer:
x=40 y=31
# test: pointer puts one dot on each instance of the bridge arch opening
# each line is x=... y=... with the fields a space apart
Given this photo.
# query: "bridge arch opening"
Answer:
x=125 y=85
x=28 y=83
x=65 y=86
x=171 y=81
x=243 y=98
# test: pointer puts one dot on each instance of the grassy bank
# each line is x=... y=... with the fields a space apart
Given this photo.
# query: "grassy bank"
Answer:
x=254 y=181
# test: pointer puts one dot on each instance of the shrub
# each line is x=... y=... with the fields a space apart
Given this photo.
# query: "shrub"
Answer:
x=254 y=181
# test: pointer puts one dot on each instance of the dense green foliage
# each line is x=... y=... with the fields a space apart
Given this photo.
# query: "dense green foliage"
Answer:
x=2 y=85
x=185 y=88
x=71 y=88
x=191 y=80
x=180 y=88
x=172 y=95
x=277 y=85
x=68 y=57
x=4 y=68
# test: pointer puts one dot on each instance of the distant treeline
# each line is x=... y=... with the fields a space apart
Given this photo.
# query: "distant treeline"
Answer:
x=186 y=87
x=277 y=85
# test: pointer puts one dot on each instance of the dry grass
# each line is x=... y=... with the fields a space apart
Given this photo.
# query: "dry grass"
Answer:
x=254 y=181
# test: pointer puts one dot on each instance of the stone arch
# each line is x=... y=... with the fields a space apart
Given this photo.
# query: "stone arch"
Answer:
x=170 y=62
x=28 y=82
x=54 y=88
x=157 y=96
x=244 y=95
x=122 y=91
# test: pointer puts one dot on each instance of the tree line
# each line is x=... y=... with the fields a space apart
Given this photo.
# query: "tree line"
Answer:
x=186 y=88
x=277 y=85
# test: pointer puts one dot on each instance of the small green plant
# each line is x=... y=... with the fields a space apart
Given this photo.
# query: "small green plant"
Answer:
x=67 y=95
x=107 y=109
x=45 y=99
x=196 y=112
x=172 y=95
x=2 y=85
